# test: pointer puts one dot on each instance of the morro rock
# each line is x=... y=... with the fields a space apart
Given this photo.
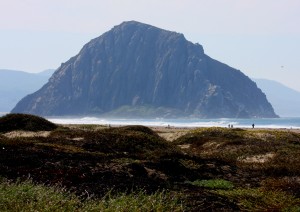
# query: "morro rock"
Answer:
x=139 y=70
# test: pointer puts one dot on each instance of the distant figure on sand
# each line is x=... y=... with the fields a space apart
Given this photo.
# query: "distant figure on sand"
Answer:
x=253 y=126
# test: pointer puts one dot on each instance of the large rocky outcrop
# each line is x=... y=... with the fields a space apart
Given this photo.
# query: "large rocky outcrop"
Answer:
x=137 y=69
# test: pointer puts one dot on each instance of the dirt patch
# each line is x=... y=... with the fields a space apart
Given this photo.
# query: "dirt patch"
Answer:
x=263 y=158
x=77 y=139
x=212 y=145
x=185 y=146
x=170 y=134
x=17 y=134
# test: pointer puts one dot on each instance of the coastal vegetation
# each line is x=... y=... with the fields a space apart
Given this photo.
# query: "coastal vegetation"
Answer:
x=26 y=122
x=28 y=196
x=135 y=168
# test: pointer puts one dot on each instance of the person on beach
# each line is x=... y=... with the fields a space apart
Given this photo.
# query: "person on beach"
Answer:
x=253 y=126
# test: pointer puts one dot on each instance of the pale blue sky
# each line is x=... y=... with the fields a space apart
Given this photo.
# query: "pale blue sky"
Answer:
x=259 y=37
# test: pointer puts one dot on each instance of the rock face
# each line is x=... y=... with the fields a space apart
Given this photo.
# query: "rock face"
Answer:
x=140 y=70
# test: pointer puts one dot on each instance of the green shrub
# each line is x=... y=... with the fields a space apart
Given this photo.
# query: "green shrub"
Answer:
x=26 y=122
x=137 y=141
x=213 y=184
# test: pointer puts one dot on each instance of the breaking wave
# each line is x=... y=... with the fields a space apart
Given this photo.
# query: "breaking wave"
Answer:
x=242 y=123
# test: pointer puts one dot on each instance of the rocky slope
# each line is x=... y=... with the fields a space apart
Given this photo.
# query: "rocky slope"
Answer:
x=140 y=70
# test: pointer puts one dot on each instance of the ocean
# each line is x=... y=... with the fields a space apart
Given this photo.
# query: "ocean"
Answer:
x=288 y=123
x=283 y=122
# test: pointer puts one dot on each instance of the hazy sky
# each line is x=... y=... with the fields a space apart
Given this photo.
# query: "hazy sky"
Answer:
x=259 y=37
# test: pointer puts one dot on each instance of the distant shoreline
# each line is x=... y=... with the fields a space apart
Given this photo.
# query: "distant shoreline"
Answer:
x=265 y=123
x=282 y=123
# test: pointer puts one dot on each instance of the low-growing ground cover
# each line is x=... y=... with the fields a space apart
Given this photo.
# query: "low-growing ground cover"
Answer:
x=206 y=169
x=27 y=196
x=271 y=152
x=25 y=122
x=267 y=165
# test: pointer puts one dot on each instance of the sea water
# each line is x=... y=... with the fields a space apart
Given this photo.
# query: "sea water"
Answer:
x=283 y=122
x=288 y=123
